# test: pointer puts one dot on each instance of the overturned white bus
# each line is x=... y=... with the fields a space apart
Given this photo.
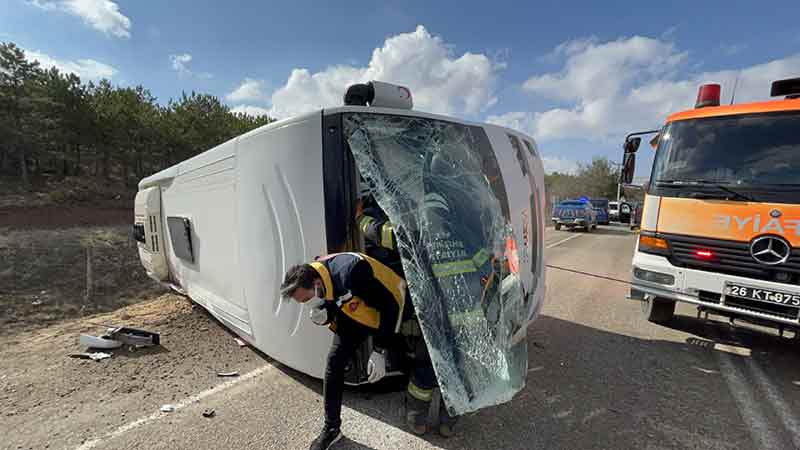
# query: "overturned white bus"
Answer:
x=223 y=227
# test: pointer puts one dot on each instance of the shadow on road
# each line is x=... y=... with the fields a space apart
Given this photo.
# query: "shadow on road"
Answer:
x=612 y=230
x=591 y=388
x=349 y=444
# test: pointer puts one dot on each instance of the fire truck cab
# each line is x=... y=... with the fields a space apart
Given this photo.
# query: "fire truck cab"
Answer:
x=720 y=227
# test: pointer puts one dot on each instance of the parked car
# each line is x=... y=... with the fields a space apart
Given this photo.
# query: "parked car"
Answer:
x=575 y=214
x=613 y=211
x=601 y=208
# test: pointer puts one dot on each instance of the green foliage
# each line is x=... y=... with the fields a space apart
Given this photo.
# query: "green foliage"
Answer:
x=52 y=124
x=595 y=180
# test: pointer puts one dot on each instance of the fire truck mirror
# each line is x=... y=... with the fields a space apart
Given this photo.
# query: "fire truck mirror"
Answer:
x=628 y=168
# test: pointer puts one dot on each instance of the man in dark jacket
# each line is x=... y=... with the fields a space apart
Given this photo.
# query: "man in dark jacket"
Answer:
x=356 y=297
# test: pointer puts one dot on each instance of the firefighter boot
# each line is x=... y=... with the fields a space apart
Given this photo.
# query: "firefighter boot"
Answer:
x=417 y=415
x=447 y=423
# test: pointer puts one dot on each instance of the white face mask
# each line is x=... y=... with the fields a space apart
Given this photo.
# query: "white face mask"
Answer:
x=317 y=311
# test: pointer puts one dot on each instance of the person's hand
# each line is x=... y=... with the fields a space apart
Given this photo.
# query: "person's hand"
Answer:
x=376 y=367
x=359 y=208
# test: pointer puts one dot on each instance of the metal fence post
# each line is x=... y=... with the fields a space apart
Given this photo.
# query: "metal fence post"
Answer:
x=89 y=274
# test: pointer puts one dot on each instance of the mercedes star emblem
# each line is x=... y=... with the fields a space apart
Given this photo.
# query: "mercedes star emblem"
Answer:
x=775 y=213
x=770 y=250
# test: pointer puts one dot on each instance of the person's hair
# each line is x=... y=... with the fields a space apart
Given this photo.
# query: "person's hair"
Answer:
x=299 y=276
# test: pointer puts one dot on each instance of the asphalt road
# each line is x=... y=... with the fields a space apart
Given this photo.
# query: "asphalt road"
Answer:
x=600 y=377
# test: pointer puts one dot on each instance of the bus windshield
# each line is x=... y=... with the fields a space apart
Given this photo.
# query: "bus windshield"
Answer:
x=439 y=183
x=751 y=153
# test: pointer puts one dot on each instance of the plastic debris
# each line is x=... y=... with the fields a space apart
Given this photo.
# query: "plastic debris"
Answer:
x=228 y=374
x=167 y=408
x=209 y=413
x=97 y=356
x=132 y=336
x=98 y=342
x=240 y=342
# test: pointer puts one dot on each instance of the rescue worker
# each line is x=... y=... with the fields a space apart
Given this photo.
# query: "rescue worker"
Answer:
x=356 y=297
x=381 y=244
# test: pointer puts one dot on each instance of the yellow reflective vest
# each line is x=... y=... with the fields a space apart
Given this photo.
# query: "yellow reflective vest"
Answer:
x=335 y=269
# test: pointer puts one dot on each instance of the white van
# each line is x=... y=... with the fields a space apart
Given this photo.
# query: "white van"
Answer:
x=223 y=227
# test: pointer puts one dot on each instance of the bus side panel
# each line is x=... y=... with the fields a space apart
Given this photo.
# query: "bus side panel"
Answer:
x=524 y=181
x=205 y=193
x=281 y=219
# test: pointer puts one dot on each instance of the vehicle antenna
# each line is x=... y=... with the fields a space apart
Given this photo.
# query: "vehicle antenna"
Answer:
x=735 y=85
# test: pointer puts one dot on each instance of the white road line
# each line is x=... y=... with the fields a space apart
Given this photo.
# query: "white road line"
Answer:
x=178 y=406
x=563 y=241
x=782 y=409
x=750 y=411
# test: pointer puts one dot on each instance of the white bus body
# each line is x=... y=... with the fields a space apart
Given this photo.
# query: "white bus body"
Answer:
x=280 y=195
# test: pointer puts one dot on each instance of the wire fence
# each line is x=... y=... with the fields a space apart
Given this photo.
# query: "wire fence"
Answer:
x=40 y=283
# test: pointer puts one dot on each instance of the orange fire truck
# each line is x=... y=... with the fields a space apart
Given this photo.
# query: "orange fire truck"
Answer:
x=721 y=222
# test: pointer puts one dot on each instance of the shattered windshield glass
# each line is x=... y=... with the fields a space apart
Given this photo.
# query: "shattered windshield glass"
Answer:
x=438 y=182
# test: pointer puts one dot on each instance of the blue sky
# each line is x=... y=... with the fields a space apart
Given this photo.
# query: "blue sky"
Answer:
x=577 y=76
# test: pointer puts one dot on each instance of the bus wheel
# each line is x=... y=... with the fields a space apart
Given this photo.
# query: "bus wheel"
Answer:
x=660 y=310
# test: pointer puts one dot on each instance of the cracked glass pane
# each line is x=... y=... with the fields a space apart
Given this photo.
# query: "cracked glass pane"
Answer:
x=441 y=187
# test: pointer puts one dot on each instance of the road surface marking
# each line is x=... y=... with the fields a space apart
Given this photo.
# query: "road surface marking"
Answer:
x=732 y=349
x=178 y=406
x=784 y=412
x=749 y=410
x=564 y=240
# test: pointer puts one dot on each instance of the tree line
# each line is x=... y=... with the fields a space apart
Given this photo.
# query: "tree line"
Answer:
x=595 y=180
x=53 y=124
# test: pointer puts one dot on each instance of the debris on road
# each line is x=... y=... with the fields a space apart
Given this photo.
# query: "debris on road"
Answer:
x=167 y=408
x=228 y=374
x=240 y=342
x=103 y=342
x=134 y=337
x=97 y=356
x=709 y=371
x=209 y=413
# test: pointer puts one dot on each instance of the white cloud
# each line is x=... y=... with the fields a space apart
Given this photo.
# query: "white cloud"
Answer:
x=611 y=88
x=560 y=165
x=180 y=64
x=249 y=90
x=102 y=15
x=440 y=81
x=251 y=110
x=518 y=120
x=84 y=68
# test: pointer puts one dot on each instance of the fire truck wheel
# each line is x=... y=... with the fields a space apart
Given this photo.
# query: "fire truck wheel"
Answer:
x=660 y=310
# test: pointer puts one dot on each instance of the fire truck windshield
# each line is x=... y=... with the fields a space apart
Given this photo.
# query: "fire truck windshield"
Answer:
x=755 y=153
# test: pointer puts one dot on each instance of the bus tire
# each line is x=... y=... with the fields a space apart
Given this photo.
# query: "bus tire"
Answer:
x=660 y=310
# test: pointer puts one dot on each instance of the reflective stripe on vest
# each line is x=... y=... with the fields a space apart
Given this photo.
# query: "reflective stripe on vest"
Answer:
x=470 y=265
x=387 y=234
x=364 y=223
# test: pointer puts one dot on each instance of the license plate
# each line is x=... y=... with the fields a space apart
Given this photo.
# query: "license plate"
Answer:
x=762 y=295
